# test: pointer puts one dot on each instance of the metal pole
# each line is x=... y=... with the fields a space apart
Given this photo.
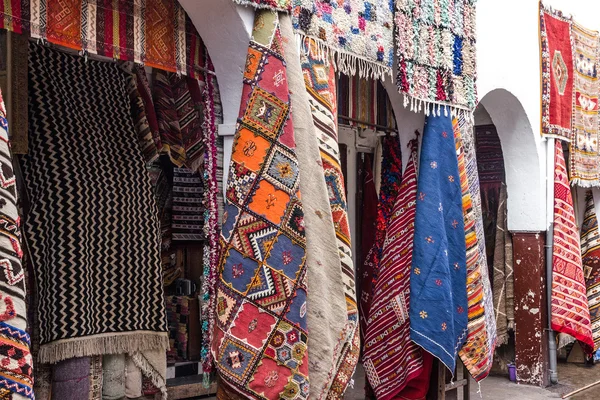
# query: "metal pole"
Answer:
x=549 y=244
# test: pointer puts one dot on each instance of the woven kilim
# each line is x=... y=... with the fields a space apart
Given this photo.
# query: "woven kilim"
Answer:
x=438 y=301
x=391 y=361
x=391 y=178
x=260 y=339
x=319 y=78
x=80 y=119
x=167 y=117
x=570 y=312
x=362 y=104
x=16 y=375
x=436 y=53
x=178 y=315
x=557 y=74
x=584 y=168
x=359 y=34
x=590 y=250
x=476 y=354
x=465 y=125
x=187 y=215
x=157 y=33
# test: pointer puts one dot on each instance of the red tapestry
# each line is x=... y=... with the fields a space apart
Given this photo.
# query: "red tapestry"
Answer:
x=557 y=74
x=64 y=23
x=160 y=50
x=570 y=312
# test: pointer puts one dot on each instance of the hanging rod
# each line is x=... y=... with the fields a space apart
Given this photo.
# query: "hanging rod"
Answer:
x=358 y=121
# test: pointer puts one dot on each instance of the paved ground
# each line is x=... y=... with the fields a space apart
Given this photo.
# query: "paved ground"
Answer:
x=571 y=377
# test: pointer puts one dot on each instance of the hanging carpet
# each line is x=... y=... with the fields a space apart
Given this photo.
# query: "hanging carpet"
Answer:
x=391 y=179
x=438 y=303
x=85 y=169
x=436 y=53
x=327 y=313
x=393 y=360
x=157 y=33
x=570 y=312
x=590 y=250
x=557 y=73
x=477 y=353
x=504 y=292
x=585 y=161
x=16 y=375
x=260 y=339
x=358 y=34
x=319 y=78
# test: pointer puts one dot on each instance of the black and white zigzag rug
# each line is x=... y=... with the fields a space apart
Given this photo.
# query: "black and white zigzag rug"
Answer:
x=92 y=226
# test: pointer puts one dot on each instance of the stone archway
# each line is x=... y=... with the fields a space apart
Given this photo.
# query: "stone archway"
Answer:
x=525 y=168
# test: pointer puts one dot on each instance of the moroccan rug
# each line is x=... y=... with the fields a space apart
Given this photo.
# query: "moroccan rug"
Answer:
x=319 y=78
x=465 y=125
x=368 y=216
x=584 y=168
x=187 y=215
x=260 y=339
x=114 y=262
x=476 y=354
x=212 y=203
x=557 y=74
x=16 y=375
x=391 y=361
x=570 y=312
x=95 y=378
x=438 y=294
x=436 y=54
x=133 y=379
x=71 y=379
x=157 y=33
x=327 y=314
x=490 y=168
x=590 y=250
x=362 y=101
x=178 y=315
x=391 y=179
x=503 y=290
x=358 y=34
x=276 y=5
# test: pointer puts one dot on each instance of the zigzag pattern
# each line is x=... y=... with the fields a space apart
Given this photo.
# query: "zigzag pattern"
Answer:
x=93 y=225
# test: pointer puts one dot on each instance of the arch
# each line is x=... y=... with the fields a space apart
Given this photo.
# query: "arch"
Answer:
x=525 y=171
x=225 y=29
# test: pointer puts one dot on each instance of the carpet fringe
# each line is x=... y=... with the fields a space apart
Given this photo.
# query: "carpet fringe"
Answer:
x=119 y=343
x=344 y=62
x=584 y=183
x=437 y=108
x=149 y=371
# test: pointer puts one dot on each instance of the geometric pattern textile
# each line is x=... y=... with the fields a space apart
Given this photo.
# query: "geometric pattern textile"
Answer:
x=476 y=354
x=465 y=125
x=436 y=53
x=570 y=312
x=178 y=315
x=319 y=79
x=260 y=339
x=557 y=74
x=358 y=34
x=187 y=215
x=438 y=301
x=585 y=160
x=392 y=360
x=16 y=374
x=503 y=291
x=391 y=184
x=92 y=224
x=590 y=250
x=156 y=33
